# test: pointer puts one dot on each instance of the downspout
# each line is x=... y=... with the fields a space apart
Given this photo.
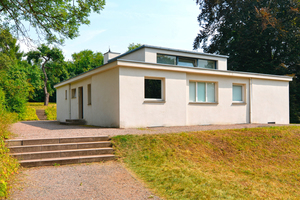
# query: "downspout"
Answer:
x=69 y=101
x=250 y=100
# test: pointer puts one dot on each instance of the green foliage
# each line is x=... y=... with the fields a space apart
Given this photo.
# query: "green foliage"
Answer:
x=54 y=20
x=29 y=114
x=8 y=165
x=84 y=61
x=13 y=74
x=133 y=46
x=50 y=111
x=258 y=36
x=257 y=163
x=50 y=60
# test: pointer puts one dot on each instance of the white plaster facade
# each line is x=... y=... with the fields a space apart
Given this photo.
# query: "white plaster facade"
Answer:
x=118 y=93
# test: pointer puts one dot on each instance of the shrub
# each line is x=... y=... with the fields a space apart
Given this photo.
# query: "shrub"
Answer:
x=51 y=112
x=29 y=114
x=8 y=165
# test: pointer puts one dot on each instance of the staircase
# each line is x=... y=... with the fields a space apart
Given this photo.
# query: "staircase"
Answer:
x=41 y=114
x=61 y=151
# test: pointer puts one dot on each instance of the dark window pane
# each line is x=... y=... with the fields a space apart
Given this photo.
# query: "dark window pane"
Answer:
x=152 y=89
x=165 y=59
x=207 y=64
x=187 y=62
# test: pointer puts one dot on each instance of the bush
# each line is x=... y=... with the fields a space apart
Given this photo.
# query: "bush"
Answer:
x=51 y=112
x=8 y=165
x=29 y=114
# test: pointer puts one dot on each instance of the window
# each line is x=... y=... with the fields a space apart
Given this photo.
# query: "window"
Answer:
x=237 y=93
x=165 y=59
x=74 y=93
x=89 y=92
x=202 y=92
x=153 y=89
x=66 y=94
x=210 y=64
x=187 y=62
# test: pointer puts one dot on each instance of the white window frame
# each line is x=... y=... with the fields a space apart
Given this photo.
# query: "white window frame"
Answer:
x=163 y=85
x=196 y=96
x=243 y=93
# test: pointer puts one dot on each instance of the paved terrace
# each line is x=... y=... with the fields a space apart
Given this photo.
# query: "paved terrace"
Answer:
x=52 y=129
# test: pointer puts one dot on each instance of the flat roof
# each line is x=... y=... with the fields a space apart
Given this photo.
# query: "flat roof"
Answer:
x=167 y=49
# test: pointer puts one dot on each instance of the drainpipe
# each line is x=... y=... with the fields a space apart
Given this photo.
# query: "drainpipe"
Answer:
x=250 y=100
x=69 y=101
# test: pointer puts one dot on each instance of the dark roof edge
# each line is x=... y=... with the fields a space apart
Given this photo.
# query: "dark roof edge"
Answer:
x=185 y=51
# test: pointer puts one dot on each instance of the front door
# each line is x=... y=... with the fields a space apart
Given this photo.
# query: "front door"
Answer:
x=80 y=102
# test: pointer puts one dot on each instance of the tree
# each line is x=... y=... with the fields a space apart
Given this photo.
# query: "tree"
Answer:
x=13 y=76
x=54 y=19
x=84 y=61
x=133 y=46
x=48 y=59
x=258 y=36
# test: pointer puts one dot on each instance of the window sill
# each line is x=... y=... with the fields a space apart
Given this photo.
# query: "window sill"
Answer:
x=73 y=97
x=89 y=104
x=203 y=103
x=238 y=103
x=154 y=101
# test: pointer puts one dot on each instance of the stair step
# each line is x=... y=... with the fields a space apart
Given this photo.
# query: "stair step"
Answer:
x=24 y=142
x=66 y=160
x=41 y=114
x=63 y=146
x=59 y=154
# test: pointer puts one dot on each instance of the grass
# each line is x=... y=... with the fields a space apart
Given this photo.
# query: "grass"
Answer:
x=256 y=163
x=8 y=165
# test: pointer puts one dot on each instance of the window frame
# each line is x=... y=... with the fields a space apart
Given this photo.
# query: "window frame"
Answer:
x=243 y=93
x=74 y=93
x=196 y=96
x=163 y=85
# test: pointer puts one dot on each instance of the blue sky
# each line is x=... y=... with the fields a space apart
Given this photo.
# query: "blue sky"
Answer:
x=167 y=23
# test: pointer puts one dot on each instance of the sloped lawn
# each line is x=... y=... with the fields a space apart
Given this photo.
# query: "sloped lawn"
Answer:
x=256 y=163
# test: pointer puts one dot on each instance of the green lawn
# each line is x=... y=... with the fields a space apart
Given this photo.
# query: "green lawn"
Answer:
x=256 y=163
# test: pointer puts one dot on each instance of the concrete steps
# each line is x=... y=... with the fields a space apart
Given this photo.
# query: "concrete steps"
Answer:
x=41 y=114
x=52 y=151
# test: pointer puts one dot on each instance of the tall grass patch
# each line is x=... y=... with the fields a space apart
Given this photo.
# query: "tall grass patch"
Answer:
x=256 y=163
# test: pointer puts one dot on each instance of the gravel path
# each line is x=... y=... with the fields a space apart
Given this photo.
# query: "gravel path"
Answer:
x=52 y=129
x=109 y=180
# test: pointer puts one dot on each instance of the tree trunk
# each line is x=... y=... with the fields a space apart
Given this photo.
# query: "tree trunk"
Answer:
x=46 y=100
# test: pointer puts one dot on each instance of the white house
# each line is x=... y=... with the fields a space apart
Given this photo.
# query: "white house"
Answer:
x=155 y=86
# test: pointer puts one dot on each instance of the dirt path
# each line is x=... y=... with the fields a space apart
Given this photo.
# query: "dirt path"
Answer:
x=52 y=129
x=108 y=180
